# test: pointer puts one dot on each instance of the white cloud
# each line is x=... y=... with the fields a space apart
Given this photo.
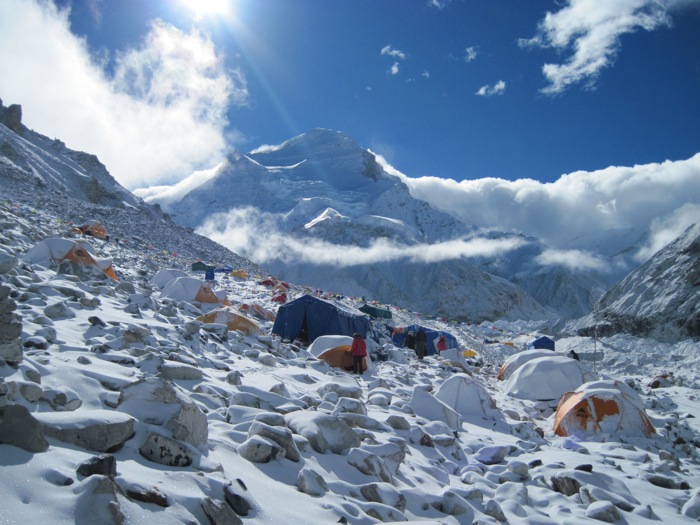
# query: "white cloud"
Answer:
x=439 y=3
x=390 y=51
x=590 y=30
x=573 y=259
x=255 y=235
x=573 y=212
x=470 y=54
x=160 y=115
x=488 y=91
x=666 y=229
x=394 y=69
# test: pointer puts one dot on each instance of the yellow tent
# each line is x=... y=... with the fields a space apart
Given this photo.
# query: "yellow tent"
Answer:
x=242 y=274
x=341 y=357
x=233 y=319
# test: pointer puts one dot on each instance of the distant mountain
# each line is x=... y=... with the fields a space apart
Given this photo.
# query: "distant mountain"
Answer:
x=43 y=173
x=322 y=186
x=660 y=299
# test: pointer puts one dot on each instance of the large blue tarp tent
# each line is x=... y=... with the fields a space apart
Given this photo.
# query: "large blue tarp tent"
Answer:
x=431 y=335
x=314 y=317
x=543 y=342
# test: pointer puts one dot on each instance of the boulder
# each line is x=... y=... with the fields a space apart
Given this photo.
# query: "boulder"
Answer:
x=19 y=428
x=280 y=435
x=311 y=482
x=165 y=451
x=327 y=434
x=159 y=402
x=99 y=430
x=258 y=449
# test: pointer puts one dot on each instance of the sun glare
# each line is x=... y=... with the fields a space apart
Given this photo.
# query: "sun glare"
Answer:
x=204 y=8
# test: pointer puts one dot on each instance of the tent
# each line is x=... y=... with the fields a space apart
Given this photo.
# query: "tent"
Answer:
x=164 y=276
x=199 y=266
x=515 y=361
x=233 y=319
x=191 y=289
x=466 y=396
x=547 y=378
x=78 y=251
x=375 y=312
x=543 y=342
x=92 y=228
x=241 y=274
x=602 y=408
x=341 y=357
x=258 y=311
x=399 y=337
x=313 y=317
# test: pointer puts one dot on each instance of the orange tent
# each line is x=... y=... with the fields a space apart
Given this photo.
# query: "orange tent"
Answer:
x=80 y=252
x=341 y=357
x=602 y=408
x=92 y=228
x=191 y=289
x=233 y=319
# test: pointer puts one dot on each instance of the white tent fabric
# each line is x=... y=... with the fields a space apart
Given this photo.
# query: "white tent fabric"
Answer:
x=515 y=361
x=326 y=342
x=547 y=378
x=191 y=289
x=466 y=396
x=79 y=251
x=165 y=275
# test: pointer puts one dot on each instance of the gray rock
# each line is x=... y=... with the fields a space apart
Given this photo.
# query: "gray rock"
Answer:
x=99 y=430
x=104 y=465
x=603 y=511
x=179 y=371
x=19 y=428
x=235 y=498
x=258 y=449
x=493 y=509
x=350 y=405
x=160 y=402
x=311 y=482
x=369 y=464
x=165 y=451
x=280 y=435
x=219 y=513
x=384 y=493
x=58 y=311
x=398 y=422
x=326 y=433
x=98 y=501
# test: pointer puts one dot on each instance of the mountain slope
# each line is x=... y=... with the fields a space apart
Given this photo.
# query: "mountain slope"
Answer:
x=660 y=299
x=39 y=172
x=322 y=187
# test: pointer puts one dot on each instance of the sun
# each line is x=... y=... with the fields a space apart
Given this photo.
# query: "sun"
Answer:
x=205 y=8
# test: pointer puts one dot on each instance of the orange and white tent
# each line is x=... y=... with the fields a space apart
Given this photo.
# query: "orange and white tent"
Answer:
x=341 y=357
x=191 y=289
x=165 y=275
x=233 y=319
x=92 y=228
x=57 y=250
x=257 y=311
x=602 y=408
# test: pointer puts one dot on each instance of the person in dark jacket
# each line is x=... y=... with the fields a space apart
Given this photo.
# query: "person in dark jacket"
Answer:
x=359 y=352
x=421 y=343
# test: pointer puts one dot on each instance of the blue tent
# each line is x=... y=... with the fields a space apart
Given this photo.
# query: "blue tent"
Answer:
x=431 y=336
x=318 y=317
x=543 y=342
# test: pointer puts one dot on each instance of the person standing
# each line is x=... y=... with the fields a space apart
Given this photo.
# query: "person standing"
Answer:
x=421 y=343
x=441 y=343
x=359 y=352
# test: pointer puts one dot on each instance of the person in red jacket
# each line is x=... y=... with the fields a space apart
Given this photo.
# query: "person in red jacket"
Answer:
x=359 y=352
x=441 y=343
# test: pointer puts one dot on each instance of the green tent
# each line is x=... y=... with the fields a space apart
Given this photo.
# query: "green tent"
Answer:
x=376 y=312
x=199 y=266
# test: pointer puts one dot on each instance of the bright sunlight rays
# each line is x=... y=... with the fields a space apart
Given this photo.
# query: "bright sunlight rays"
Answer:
x=205 y=8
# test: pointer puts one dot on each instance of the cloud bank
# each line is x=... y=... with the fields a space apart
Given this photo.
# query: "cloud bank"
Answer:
x=164 y=102
x=590 y=30
x=256 y=235
x=593 y=211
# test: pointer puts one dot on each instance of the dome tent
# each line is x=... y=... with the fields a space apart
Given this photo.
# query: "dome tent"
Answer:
x=547 y=378
x=317 y=317
x=164 y=276
x=515 y=361
x=341 y=357
x=191 y=289
x=466 y=396
x=602 y=408
x=93 y=228
x=234 y=320
x=78 y=251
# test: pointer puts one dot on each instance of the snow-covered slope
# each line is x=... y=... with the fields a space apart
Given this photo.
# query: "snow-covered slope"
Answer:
x=38 y=172
x=659 y=299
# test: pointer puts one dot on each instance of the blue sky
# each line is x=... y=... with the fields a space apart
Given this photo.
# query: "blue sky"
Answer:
x=447 y=89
